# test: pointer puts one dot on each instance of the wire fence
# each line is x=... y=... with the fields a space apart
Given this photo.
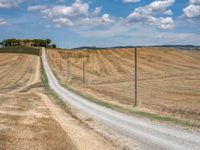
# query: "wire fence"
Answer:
x=168 y=79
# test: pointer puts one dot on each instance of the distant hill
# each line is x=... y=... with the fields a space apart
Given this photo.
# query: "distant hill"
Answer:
x=185 y=47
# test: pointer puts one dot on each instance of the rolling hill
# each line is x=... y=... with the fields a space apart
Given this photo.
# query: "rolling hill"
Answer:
x=168 y=78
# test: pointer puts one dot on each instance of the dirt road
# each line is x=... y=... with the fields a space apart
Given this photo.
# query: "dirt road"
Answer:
x=168 y=78
x=29 y=118
x=149 y=134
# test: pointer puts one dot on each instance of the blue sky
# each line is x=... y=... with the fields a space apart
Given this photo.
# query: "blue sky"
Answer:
x=74 y=23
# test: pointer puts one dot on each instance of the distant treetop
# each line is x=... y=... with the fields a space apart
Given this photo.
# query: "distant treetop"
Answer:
x=28 y=42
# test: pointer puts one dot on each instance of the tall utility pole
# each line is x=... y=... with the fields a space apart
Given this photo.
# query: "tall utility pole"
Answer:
x=60 y=65
x=84 y=75
x=137 y=102
x=68 y=69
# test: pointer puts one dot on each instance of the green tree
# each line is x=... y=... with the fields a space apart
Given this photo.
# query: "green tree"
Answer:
x=35 y=42
x=48 y=41
x=11 y=42
x=53 y=45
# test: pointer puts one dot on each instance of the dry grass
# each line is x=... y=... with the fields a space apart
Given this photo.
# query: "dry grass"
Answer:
x=29 y=118
x=169 y=79
x=26 y=123
x=17 y=71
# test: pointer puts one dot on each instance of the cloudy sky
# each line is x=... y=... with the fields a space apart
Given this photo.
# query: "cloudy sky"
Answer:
x=74 y=23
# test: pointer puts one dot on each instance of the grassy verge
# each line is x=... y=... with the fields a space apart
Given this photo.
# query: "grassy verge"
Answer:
x=21 y=49
x=50 y=92
x=135 y=112
x=54 y=97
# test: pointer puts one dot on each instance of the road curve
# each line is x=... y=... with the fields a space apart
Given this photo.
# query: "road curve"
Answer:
x=150 y=135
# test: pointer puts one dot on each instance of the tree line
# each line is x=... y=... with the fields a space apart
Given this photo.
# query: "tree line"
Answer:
x=28 y=42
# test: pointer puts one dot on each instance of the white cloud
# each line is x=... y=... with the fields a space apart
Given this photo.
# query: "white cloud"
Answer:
x=131 y=1
x=36 y=8
x=156 y=7
x=166 y=23
x=6 y=4
x=192 y=11
x=96 y=11
x=77 y=14
x=195 y=2
x=3 y=22
x=77 y=9
x=168 y=12
x=61 y=22
x=86 y=22
x=160 y=5
x=148 y=13
x=138 y=35
x=106 y=18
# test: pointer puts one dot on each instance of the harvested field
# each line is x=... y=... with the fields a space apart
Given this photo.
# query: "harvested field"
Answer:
x=26 y=123
x=18 y=71
x=169 y=79
x=32 y=120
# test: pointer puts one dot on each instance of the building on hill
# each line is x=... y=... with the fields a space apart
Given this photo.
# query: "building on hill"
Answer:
x=29 y=42
x=23 y=43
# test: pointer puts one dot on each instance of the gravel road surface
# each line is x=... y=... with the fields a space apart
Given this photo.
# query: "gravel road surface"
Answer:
x=150 y=135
